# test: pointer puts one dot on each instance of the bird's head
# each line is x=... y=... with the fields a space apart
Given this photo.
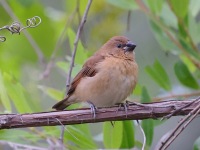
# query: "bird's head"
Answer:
x=119 y=46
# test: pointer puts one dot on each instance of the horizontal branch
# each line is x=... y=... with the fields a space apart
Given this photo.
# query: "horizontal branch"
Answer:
x=68 y=117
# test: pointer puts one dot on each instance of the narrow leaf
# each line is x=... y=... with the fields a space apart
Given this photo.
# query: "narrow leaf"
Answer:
x=81 y=136
x=51 y=92
x=159 y=75
x=128 y=140
x=147 y=125
x=197 y=144
x=112 y=135
x=16 y=93
x=145 y=98
x=163 y=39
x=184 y=76
x=156 y=6
x=180 y=8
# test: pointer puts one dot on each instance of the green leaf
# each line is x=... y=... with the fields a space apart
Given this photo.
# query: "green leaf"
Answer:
x=145 y=98
x=147 y=125
x=112 y=136
x=51 y=92
x=197 y=144
x=180 y=8
x=181 y=29
x=168 y=17
x=124 y=4
x=4 y=95
x=128 y=140
x=192 y=68
x=163 y=39
x=184 y=76
x=159 y=75
x=155 y=6
x=188 y=49
x=65 y=67
x=16 y=93
x=137 y=90
x=17 y=135
x=80 y=135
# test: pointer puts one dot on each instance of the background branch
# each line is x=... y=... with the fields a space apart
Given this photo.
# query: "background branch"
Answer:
x=135 y=112
x=180 y=127
x=80 y=28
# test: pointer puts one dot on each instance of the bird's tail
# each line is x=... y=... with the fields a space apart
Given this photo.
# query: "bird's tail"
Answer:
x=62 y=104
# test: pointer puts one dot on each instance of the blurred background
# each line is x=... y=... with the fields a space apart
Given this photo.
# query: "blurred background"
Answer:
x=34 y=66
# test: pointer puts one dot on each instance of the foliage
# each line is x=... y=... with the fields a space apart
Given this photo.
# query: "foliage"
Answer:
x=24 y=88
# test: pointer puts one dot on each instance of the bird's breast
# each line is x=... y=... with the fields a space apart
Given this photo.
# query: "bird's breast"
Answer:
x=114 y=81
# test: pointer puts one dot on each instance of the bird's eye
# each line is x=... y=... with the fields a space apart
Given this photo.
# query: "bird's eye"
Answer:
x=119 y=45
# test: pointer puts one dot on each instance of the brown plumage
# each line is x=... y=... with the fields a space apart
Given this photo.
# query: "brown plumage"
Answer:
x=108 y=77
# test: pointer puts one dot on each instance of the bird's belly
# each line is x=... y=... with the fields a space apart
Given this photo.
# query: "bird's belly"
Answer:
x=106 y=88
x=116 y=91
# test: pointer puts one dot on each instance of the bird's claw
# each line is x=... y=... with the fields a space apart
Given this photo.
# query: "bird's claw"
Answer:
x=125 y=106
x=93 y=109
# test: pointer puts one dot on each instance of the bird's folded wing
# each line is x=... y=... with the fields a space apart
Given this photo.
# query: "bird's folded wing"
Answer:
x=88 y=70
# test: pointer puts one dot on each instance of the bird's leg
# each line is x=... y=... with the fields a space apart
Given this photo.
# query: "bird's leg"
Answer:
x=93 y=109
x=125 y=105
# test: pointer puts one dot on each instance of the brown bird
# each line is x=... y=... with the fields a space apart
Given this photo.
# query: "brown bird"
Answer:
x=107 y=78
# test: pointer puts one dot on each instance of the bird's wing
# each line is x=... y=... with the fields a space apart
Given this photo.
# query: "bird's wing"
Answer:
x=88 y=70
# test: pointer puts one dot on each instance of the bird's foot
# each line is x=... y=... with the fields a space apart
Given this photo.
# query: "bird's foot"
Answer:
x=125 y=106
x=93 y=109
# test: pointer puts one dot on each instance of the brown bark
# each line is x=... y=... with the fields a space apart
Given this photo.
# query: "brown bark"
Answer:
x=68 y=117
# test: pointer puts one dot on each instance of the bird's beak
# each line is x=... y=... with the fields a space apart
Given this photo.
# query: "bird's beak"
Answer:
x=130 y=46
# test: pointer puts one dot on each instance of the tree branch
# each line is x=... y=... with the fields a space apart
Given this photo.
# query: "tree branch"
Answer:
x=135 y=112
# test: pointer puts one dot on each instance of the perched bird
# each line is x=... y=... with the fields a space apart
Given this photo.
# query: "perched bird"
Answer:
x=107 y=78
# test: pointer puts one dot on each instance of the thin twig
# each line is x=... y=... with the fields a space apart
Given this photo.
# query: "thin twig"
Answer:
x=35 y=46
x=80 y=28
x=193 y=115
x=180 y=109
x=178 y=128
